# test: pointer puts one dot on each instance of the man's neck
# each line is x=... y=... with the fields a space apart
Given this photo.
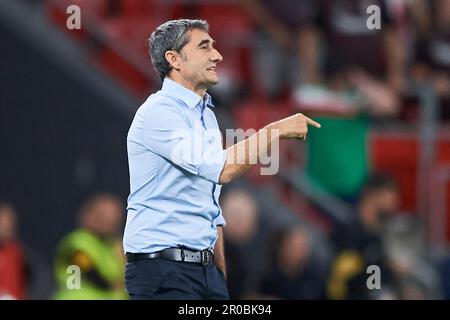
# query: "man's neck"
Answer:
x=188 y=85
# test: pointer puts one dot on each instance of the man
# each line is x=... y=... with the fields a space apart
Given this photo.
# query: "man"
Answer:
x=285 y=52
x=95 y=249
x=432 y=62
x=295 y=273
x=12 y=260
x=359 y=244
x=245 y=243
x=173 y=235
x=358 y=85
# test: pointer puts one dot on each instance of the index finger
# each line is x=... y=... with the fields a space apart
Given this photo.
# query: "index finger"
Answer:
x=312 y=122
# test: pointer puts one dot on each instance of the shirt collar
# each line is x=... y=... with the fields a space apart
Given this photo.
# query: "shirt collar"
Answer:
x=208 y=100
x=189 y=97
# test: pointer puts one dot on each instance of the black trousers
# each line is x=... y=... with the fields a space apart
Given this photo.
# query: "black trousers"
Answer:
x=171 y=280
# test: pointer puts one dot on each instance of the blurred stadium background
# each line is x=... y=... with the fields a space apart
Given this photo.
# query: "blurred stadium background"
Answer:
x=370 y=187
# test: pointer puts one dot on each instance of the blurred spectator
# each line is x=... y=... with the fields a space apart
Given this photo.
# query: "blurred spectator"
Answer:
x=96 y=249
x=432 y=63
x=359 y=244
x=350 y=43
x=284 y=33
x=405 y=243
x=364 y=70
x=12 y=266
x=337 y=156
x=295 y=274
x=245 y=243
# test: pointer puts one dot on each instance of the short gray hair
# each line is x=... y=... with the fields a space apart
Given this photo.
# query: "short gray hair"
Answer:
x=171 y=35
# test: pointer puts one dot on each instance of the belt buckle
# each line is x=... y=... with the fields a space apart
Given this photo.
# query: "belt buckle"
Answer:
x=205 y=257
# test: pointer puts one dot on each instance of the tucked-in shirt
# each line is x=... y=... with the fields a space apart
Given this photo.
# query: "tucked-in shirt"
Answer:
x=175 y=156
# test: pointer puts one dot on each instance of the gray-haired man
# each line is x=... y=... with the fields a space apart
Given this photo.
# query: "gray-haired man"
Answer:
x=173 y=236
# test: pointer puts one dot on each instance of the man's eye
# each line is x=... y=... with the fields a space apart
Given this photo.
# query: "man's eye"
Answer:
x=204 y=47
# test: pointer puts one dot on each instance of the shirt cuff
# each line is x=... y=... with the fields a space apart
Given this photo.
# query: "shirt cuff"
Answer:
x=212 y=165
x=220 y=221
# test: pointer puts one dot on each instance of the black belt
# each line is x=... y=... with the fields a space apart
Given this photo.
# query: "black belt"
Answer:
x=175 y=254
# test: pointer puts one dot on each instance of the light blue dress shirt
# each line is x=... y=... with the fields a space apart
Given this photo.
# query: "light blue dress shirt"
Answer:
x=175 y=157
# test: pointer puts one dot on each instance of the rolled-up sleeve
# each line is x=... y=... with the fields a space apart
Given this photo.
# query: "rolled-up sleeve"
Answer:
x=219 y=221
x=168 y=134
x=211 y=170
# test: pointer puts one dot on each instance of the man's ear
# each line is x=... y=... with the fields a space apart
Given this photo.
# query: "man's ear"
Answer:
x=173 y=58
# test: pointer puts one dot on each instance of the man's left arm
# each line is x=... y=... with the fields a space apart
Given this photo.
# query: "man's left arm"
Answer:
x=219 y=252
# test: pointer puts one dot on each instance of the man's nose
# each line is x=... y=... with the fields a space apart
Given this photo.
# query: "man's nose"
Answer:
x=216 y=56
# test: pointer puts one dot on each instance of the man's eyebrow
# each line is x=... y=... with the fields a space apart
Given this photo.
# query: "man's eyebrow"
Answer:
x=206 y=41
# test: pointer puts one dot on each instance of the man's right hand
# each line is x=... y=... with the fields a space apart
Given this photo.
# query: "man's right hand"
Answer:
x=294 y=127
